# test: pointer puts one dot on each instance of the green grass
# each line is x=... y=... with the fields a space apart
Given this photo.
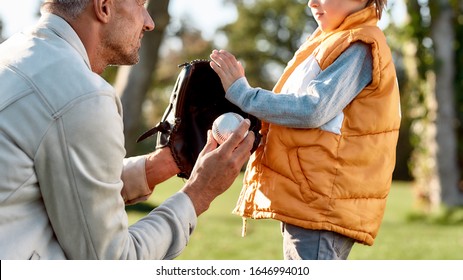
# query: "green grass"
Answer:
x=403 y=234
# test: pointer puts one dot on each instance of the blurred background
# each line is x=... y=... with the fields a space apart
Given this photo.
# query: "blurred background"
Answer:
x=426 y=38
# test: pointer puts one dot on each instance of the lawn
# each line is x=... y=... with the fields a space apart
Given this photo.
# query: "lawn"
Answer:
x=403 y=235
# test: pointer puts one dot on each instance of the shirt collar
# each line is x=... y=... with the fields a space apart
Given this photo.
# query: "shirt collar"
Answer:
x=63 y=29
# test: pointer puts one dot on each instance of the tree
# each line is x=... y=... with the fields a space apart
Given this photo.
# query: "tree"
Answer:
x=443 y=36
x=458 y=20
x=132 y=83
x=431 y=52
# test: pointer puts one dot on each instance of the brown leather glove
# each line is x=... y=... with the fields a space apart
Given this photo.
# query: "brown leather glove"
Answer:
x=198 y=98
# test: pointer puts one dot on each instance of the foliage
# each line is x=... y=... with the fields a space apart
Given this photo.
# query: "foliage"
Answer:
x=266 y=35
x=396 y=37
x=423 y=68
x=420 y=58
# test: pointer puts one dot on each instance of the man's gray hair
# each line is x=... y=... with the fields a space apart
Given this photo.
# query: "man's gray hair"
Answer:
x=70 y=8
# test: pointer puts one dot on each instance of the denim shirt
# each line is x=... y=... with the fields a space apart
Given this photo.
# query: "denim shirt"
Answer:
x=310 y=98
x=62 y=159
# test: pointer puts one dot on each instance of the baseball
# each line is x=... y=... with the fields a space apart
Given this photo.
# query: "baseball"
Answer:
x=224 y=126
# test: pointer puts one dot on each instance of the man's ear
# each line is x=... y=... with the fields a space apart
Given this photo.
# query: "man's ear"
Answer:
x=102 y=9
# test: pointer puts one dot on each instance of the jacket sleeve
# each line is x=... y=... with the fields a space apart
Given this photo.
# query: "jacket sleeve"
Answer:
x=79 y=166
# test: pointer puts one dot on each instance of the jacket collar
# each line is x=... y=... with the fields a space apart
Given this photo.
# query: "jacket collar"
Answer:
x=364 y=17
x=62 y=29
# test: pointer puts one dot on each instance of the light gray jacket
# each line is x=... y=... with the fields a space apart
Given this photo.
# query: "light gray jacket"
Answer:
x=62 y=159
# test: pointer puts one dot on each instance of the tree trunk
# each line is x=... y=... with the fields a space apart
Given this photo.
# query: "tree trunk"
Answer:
x=423 y=110
x=443 y=36
x=133 y=82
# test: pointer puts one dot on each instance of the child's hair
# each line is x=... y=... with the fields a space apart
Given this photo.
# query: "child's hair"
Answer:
x=380 y=5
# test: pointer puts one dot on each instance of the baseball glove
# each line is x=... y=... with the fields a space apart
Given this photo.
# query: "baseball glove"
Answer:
x=197 y=99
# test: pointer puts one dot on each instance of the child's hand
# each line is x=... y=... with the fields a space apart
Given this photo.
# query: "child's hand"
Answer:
x=227 y=67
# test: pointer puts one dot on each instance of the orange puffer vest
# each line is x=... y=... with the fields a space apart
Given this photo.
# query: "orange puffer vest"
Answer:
x=324 y=181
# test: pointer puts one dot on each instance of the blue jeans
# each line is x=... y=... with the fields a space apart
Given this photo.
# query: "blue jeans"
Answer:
x=305 y=244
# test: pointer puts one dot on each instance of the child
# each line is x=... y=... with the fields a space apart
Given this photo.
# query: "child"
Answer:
x=330 y=128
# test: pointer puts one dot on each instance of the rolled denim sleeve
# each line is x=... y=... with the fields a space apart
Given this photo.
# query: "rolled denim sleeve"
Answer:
x=136 y=187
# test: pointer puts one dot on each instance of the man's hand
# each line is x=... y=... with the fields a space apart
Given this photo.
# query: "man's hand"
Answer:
x=227 y=67
x=217 y=167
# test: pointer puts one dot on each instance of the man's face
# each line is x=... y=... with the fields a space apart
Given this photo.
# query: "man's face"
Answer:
x=122 y=42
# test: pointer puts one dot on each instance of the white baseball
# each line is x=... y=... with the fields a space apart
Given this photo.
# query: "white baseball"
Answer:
x=224 y=126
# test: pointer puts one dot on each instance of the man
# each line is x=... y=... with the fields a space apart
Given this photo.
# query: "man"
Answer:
x=64 y=176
